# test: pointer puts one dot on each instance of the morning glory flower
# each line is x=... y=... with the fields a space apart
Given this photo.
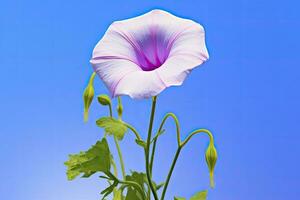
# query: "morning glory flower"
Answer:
x=142 y=56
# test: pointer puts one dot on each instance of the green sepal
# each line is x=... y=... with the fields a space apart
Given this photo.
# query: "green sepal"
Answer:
x=96 y=159
x=112 y=126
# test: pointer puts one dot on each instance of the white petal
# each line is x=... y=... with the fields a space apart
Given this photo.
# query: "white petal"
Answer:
x=187 y=52
x=140 y=85
x=124 y=57
x=112 y=71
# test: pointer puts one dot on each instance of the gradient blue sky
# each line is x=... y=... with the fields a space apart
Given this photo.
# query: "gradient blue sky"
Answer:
x=247 y=94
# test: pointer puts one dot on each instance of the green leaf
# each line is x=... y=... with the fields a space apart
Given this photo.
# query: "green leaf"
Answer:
x=138 y=177
x=179 y=198
x=133 y=194
x=141 y=179
x=200 y=195
x=112 y=126
x=96 y=159
x=141 y=143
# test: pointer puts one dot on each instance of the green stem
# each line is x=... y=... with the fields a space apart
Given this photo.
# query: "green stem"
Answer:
x=180 y=146
x=147 y=152
x=115 y=167
x=152 y=155
x=120 y=157
x=137 y=135
x=196 y=132
x=170 y=173
x=172 y=115
x=118 y=148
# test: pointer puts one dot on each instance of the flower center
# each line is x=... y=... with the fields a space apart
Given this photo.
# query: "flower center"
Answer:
x=152 y=50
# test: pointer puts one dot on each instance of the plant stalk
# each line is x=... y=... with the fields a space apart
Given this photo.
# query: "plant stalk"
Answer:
x=147 y=149
x=170 y=173
x=120 y=157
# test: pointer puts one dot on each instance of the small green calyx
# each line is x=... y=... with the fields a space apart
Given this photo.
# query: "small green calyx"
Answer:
x=211 y=156
x=88 y=96
x=104 y=100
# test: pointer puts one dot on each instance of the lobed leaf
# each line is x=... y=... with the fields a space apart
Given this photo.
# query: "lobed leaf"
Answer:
x=112 y=126
x=96 y=159
x=133 y=194
x=139 y=178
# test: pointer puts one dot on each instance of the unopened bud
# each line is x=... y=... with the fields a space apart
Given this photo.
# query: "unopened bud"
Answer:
x=211 y=159
x=88 y=96
x=120 y=107
x=104 y=99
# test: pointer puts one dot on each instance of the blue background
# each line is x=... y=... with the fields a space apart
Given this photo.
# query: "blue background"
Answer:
x=247 y=94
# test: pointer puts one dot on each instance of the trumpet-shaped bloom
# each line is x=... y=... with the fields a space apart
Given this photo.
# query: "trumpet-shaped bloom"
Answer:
x=142 y=56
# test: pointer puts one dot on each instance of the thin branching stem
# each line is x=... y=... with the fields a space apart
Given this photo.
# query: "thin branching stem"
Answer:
x=172 y=115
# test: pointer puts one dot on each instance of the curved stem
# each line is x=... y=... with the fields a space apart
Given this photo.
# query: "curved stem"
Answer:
x=137 y=135
x=120 y=157
x=170 y=172
x=180 y=146
x=196 y=132
x=148 y=148
x=159 y=132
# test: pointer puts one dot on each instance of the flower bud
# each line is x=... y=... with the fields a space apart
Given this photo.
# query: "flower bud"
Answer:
x=120 y=108
x=211 y=159
x=104 y=99
x=88 y=96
